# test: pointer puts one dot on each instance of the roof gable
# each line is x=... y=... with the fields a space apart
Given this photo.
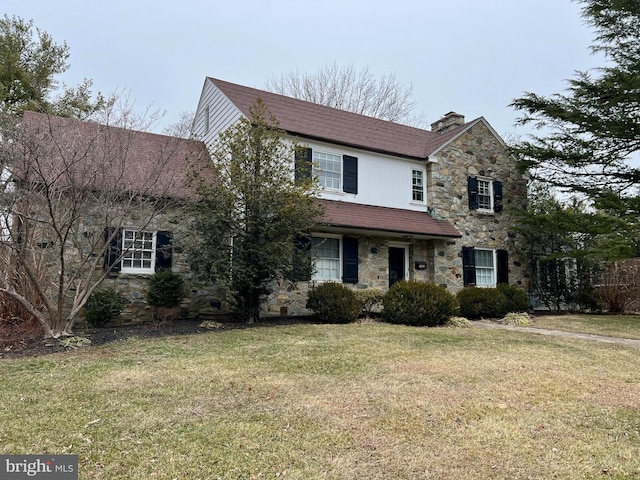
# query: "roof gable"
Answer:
x=313 y=121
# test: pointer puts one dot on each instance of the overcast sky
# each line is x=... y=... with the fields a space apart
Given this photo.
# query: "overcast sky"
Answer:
x=469 y=56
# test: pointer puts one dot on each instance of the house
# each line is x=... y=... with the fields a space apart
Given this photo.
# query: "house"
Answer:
x=400 y=202
x=98 y=203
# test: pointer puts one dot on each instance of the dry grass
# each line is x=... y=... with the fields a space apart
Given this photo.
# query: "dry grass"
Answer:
x=623 y=326
x=360 y=401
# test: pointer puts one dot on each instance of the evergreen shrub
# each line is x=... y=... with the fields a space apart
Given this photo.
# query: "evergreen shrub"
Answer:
x=517 y=299
x=104 y=306
x=479 y=302
x=334 y=303
x=418 y=303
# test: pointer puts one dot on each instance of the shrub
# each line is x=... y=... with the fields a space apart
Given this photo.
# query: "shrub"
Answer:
x=371 y=301
x=517 y=299
x=477 y=302
x=334 y=303
x=166 y=289
x=418 y=303
x=103 y=306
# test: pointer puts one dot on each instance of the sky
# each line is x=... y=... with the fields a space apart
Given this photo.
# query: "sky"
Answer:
x=469 y=56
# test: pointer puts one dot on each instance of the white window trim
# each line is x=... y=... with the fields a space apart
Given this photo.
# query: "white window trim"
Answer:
x=424 y=186
x=494 y=270
x=125 y=251
x=316 y=170
x=340 y=257
x=491 y=199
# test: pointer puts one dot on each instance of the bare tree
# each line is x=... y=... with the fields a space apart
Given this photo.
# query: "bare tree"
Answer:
x=347 y=89
x=182 y=127
x=69 y=186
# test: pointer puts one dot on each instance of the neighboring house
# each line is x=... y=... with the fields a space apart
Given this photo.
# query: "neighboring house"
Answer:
x=401 y=202
x=119 y=197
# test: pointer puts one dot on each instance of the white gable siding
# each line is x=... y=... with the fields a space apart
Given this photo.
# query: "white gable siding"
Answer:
x=222 y=114
x=383 y=180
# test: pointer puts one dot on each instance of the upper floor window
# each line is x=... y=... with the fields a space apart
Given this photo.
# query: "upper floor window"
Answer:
x=328 y=169
x=139 y=251
x=417 y=186
x=334 y=172
x=484 y=194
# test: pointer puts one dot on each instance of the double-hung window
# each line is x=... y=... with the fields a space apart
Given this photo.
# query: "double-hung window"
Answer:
x=484 y=267
x=328 y=169
x=485 y=194
x=326 y=257
x=417 y=186
x=138 y=251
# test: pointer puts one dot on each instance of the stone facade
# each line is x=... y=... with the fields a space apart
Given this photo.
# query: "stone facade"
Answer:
x=477 y=152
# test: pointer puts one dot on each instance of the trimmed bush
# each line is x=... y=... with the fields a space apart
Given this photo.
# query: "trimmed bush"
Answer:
x=103 y=306
x=166 y=289
x=517 y=300
x=418 y=303
x=370 y=300
x=477 y=302
x=334 y=303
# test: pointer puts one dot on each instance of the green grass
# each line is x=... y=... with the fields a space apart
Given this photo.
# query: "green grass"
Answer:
x=624 y=326
x=359 y=401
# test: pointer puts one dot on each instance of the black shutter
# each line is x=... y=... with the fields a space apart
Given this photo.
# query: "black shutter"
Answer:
x=350 y=260
x=503 y=267
x=113 y=250
x=472 y=189
x=302 y=270
x=349 y=174
x=303 y=163
x=164 y=250
x=497 y=196
x=469 y=266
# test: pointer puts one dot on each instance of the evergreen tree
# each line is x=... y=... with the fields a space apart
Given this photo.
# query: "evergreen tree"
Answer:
x=590 y=135
x=249 y=219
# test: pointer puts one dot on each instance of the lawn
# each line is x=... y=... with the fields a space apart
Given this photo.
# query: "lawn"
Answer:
x=624 y=326
x=360 y=401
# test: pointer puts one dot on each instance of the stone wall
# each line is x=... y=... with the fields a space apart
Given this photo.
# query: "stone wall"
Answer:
x=477 y=152
x=373 y=273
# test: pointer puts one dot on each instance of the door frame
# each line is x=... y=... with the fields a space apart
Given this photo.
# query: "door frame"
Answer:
x=405 y=247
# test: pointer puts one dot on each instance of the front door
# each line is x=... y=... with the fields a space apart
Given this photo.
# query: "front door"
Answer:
x=396 y=264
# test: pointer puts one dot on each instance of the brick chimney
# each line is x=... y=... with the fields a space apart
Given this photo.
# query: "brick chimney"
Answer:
x=447 y=122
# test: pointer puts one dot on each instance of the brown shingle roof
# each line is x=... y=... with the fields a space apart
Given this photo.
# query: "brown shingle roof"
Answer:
x=311 y=120
x=385 y=219
x=109 y=158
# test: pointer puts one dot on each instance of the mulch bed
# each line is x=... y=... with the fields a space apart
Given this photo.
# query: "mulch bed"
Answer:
x=33 y=345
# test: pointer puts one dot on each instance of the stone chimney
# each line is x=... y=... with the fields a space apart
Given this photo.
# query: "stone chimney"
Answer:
x=449 y=121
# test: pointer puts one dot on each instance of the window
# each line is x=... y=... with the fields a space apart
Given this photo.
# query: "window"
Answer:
x=328 y=168
x=417 y=185
x=484 y=267
x=138 y=249
x=484 y=194
x=131 y=250
x=334 y=172
x=335 y=259
x=326 y=257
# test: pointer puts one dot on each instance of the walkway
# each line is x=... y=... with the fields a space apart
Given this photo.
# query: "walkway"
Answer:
x=559 y=333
